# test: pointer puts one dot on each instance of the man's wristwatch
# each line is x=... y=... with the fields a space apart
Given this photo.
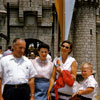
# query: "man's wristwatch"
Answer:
x=32 y=95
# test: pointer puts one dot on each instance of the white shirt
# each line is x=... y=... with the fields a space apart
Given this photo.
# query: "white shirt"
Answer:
x=16 y=70
x=49 y=57
x=1 y=56
x=43 y=68
x=67 y=66
x=89 y=82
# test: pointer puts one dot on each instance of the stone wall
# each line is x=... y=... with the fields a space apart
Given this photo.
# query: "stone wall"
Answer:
x=98 y=53
x=84 y=36
x=32 y=20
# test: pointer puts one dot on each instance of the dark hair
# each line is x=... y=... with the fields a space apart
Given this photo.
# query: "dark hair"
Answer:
x=0 y=47
x=43 y=46
x=9 y=47
x=66 y=41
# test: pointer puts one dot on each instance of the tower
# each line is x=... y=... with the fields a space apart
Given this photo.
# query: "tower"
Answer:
x=84 y=36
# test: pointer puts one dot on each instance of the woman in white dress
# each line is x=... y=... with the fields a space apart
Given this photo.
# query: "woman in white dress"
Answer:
x=65 y=62
x=44 y=69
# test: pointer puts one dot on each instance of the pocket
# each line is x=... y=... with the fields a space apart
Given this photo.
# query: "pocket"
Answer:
x=24 y=71
x=7 y=93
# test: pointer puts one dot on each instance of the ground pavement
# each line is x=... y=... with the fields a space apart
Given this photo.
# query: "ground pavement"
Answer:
x=96 y=97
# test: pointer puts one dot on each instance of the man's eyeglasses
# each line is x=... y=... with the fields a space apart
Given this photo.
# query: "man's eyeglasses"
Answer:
x=65 y=46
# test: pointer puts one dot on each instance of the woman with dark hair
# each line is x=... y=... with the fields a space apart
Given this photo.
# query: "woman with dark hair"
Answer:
x=64 y=71
x=44 y=69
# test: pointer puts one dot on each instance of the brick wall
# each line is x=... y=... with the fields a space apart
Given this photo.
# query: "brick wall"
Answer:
x=33 y=21
x=84 y=36
x=98 y=53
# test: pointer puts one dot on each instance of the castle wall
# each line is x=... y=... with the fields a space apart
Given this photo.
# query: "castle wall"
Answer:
x=84 y=37
x=98 y=53
x=32 y=20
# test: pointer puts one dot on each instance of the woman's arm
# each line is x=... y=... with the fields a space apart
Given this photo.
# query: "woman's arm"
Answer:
x=74 y=69
x=52 y=80
x=1 y=98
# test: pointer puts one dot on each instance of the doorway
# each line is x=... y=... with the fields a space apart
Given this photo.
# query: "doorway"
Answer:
x=31 y=46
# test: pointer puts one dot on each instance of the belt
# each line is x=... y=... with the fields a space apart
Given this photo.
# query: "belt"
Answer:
x=41 y=80
x=62 y=94
x=83 y=98
x=16 y=85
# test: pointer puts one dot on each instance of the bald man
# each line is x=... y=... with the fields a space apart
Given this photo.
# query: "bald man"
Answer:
x=17 y=74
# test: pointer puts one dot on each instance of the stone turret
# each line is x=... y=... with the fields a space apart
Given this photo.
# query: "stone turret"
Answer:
x=84 y=37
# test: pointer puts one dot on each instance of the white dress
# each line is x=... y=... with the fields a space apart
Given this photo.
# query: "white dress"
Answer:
x=44 y=70
x=67 y=66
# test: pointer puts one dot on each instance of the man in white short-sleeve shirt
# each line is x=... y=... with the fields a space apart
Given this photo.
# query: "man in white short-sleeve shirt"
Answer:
x=16 y=73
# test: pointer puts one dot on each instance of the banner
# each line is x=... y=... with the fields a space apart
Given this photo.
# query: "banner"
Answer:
x=69 y=8
x=59 y=9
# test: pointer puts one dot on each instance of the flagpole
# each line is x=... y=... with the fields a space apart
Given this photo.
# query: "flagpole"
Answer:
x=53 y=18
x=59 y=8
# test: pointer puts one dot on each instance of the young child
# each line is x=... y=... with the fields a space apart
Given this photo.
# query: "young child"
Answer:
x=89 y=84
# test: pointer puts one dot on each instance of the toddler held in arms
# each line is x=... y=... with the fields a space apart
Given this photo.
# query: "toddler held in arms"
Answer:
x=89 y=84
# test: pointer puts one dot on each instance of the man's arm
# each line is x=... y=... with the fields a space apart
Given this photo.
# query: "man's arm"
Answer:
x=1 y=98
x=32 y=89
